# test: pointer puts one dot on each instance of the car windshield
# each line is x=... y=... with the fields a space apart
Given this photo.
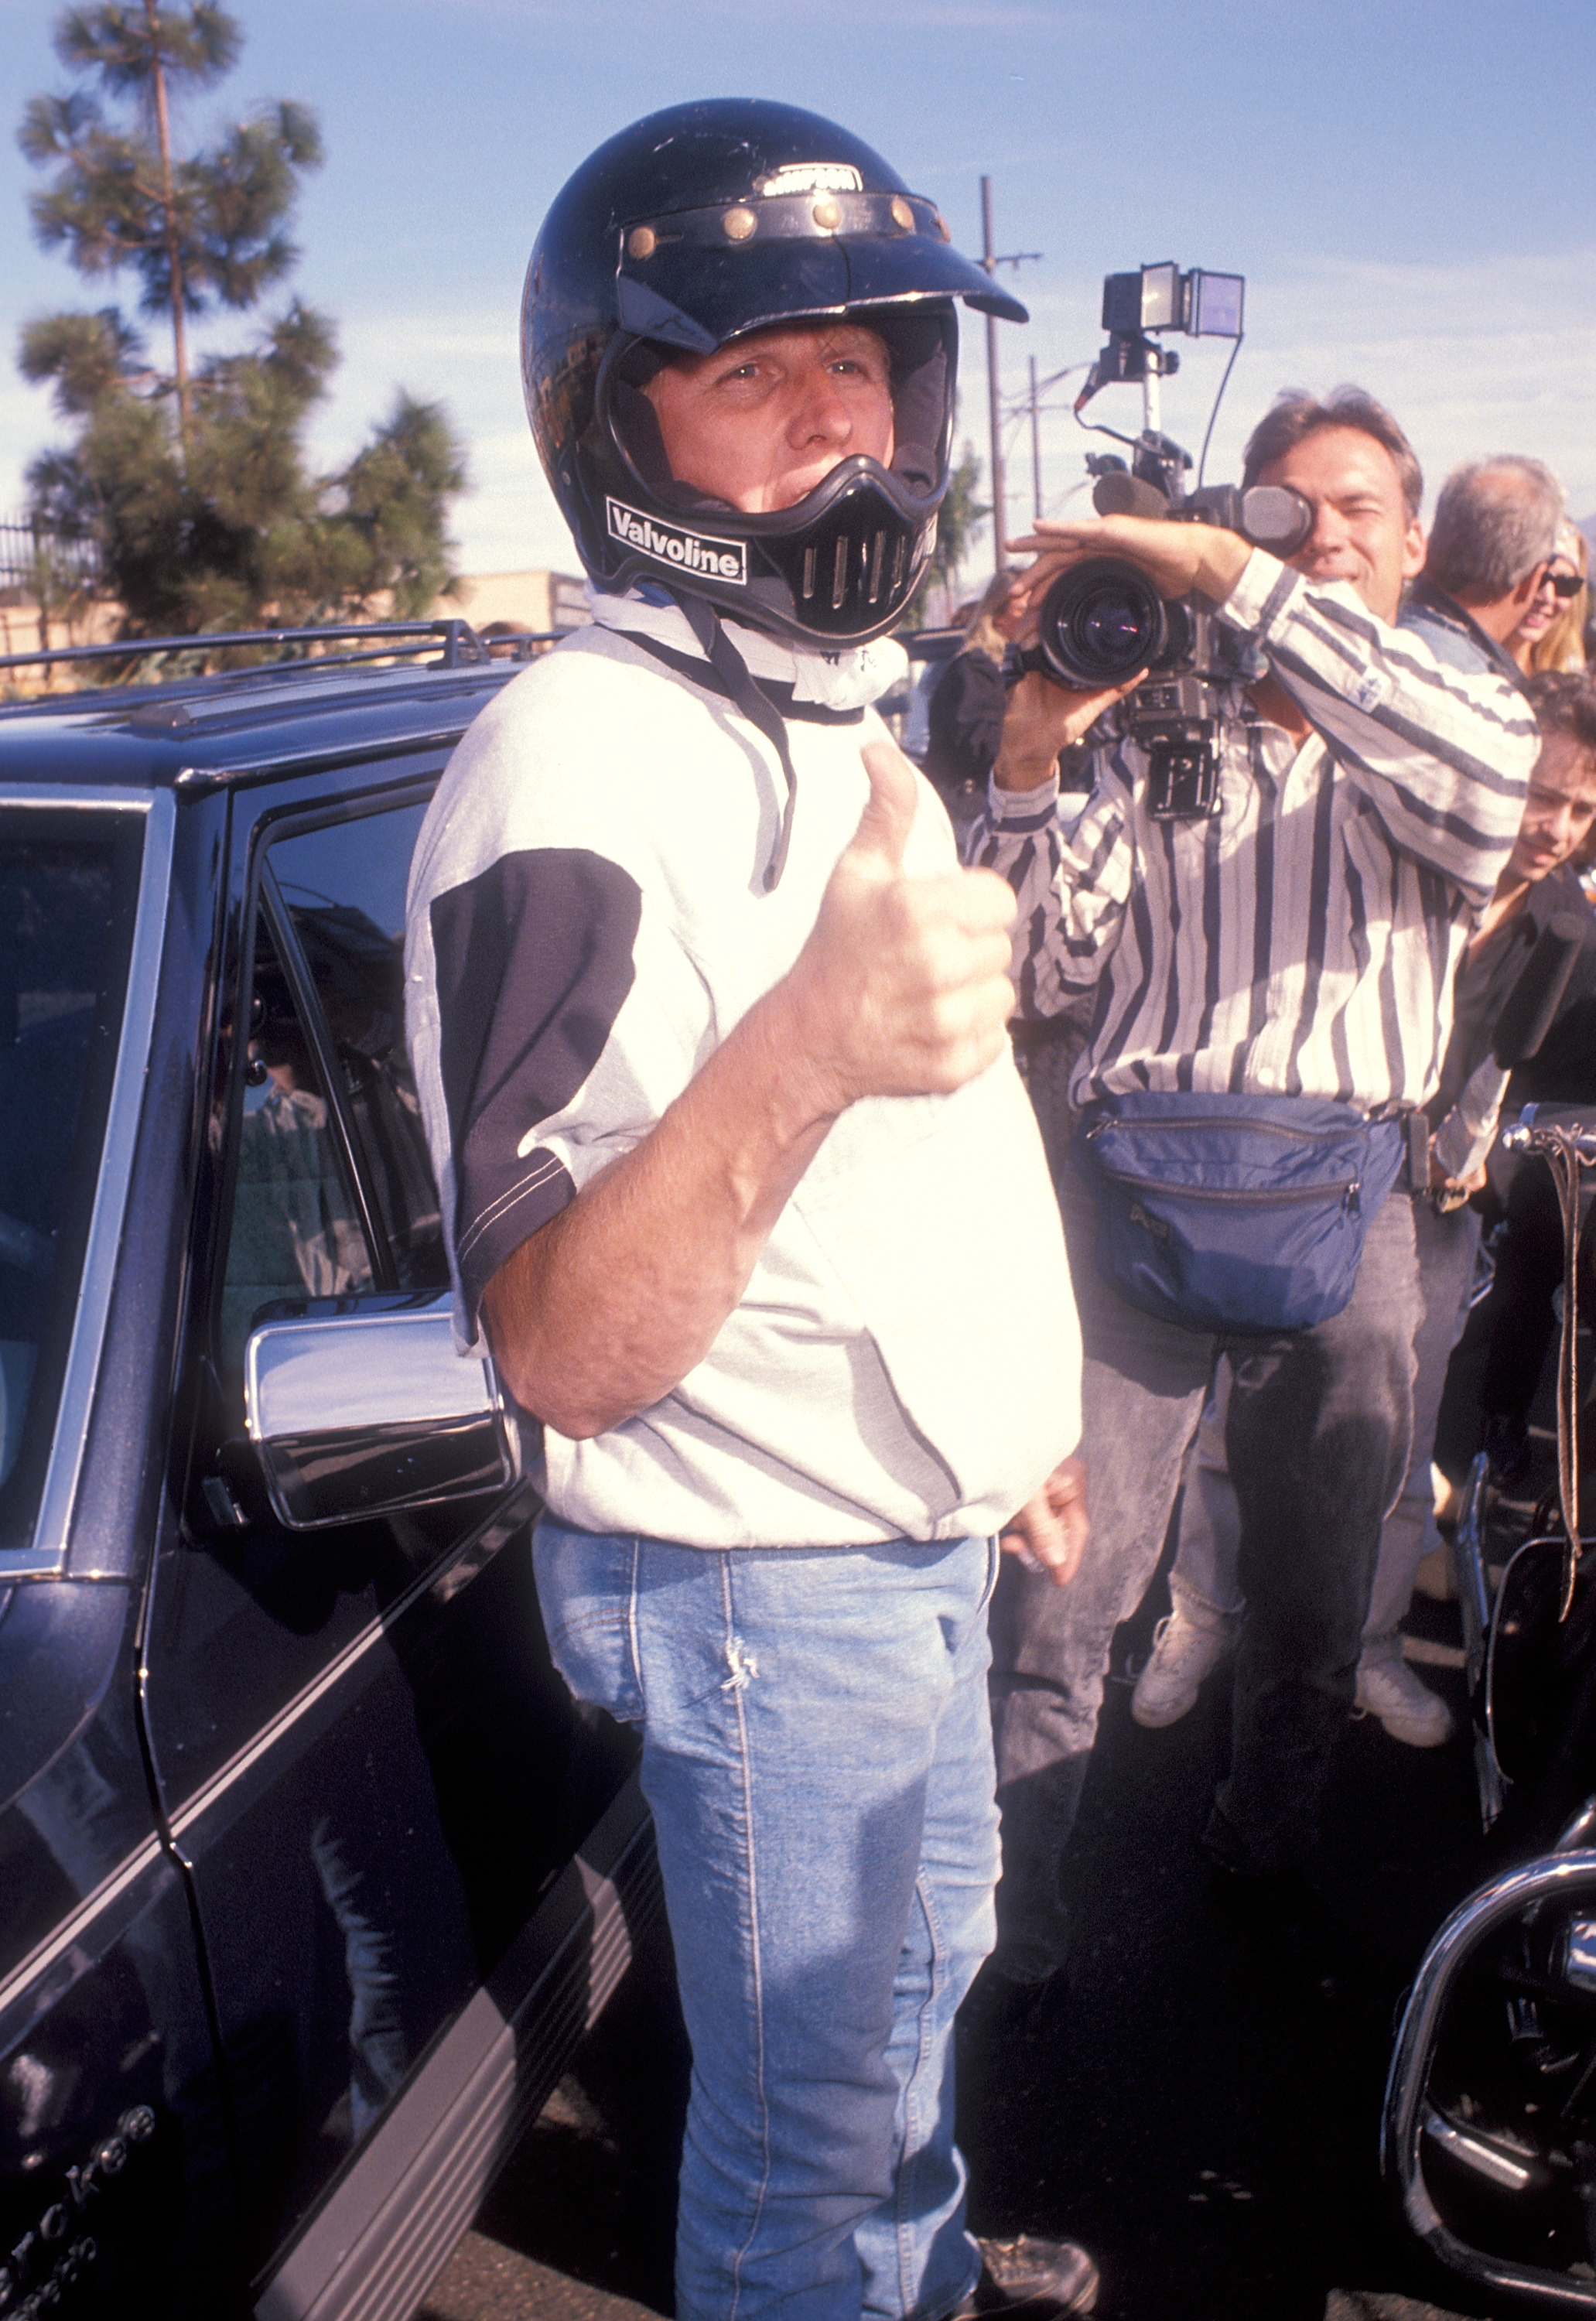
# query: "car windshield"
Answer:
x=68 y=886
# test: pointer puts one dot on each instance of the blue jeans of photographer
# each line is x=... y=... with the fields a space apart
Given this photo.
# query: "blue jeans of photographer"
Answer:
x=817 y=1757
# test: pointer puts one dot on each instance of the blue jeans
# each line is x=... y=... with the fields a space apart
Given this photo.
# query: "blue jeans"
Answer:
x=818 y=1759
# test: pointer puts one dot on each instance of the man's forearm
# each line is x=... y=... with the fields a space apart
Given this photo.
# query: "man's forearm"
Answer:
x=1443 y=755
x=607 y=1307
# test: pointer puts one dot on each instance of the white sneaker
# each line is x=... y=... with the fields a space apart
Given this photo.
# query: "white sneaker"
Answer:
x=1404 y=1704
x=1182 y=1654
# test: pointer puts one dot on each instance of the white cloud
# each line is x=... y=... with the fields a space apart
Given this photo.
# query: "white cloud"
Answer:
x=1490 y=355
x=1036 y=18
x=1471 y=357
x=506 y=522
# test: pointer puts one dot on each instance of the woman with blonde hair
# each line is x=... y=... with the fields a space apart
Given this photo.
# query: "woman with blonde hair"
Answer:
x=964 y=721
x=1552 y=633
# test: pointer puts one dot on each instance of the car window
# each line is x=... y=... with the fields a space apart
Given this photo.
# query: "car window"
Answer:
x=69 y=886
x=296 y=1228
x=344 y=886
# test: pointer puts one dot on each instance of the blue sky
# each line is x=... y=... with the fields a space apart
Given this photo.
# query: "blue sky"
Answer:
x=1409 y=189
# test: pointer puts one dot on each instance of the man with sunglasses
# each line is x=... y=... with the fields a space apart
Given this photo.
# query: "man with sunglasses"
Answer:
x=1492 y=541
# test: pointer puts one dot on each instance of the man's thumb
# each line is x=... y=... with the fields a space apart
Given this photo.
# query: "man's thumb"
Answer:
x=889 y=816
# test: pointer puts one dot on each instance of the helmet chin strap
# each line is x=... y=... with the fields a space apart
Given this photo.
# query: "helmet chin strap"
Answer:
x=741 y=684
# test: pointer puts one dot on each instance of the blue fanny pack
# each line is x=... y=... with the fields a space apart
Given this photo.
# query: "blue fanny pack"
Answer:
x=1241 y=1212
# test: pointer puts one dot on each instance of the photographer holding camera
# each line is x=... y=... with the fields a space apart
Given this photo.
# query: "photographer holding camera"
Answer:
x=1270 y=908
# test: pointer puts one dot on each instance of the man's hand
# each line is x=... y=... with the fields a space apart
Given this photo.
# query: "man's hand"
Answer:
x=902 y=989
x=1050 y=1531
x=1043 y=717
x=1459 y=1189
x=1177 y=558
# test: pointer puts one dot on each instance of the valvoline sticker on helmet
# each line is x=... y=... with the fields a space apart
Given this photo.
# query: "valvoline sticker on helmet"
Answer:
x=669 y=543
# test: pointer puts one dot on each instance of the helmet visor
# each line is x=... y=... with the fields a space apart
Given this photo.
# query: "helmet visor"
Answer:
x=696 y=280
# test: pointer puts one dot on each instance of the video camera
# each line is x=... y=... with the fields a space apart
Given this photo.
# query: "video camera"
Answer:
x=1103 y=620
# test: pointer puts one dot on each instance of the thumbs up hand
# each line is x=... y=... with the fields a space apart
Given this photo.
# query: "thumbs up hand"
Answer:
x=902 y=989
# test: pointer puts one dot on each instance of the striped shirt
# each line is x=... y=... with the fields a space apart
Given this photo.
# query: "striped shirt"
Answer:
x=1301 y=941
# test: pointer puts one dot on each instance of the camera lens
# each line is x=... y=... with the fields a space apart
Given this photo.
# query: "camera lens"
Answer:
x=1101 y=622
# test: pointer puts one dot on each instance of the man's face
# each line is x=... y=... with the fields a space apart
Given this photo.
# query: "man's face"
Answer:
x=1362 y=530
x=1559 y=807
x=758 y=423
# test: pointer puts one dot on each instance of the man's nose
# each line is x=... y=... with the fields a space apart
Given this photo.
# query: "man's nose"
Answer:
x=822 y=414
x=1329 y=531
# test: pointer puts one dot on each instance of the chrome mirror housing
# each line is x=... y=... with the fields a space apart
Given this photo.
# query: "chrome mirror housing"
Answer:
x=360 y=1408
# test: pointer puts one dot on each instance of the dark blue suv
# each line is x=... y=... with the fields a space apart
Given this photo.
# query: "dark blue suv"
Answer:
x=311 y=1872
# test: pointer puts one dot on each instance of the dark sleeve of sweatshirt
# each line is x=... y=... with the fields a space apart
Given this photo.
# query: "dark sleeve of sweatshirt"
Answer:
x=964 y=722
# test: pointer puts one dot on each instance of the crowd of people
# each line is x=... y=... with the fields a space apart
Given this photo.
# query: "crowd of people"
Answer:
x=846 y=1354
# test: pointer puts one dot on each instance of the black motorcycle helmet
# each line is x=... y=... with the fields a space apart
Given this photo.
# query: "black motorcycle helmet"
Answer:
x=689 y=229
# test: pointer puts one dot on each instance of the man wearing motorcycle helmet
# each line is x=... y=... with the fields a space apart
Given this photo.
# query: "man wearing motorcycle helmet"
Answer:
x=709 y=1029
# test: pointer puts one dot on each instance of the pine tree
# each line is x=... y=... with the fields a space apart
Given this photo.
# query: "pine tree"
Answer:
x=195 y=486
x=202 y=231
x=958 y=520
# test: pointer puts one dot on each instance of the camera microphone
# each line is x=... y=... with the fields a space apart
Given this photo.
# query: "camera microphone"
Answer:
x=1119 y=493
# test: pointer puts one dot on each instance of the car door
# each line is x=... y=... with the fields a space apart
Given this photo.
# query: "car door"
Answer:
x=115 y=2187
x=358 y=1743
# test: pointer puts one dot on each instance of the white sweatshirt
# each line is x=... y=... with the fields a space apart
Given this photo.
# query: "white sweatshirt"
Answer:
x=587 y=922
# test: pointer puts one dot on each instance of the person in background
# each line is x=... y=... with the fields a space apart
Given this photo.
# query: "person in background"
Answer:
x=964 y=722
x=1538 y=884
x=1552 y=633
x=1519 y=1317
x=1298 y=944
x=1495 y=530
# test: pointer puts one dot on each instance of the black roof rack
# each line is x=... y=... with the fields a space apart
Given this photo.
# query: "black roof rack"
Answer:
x=462 y=647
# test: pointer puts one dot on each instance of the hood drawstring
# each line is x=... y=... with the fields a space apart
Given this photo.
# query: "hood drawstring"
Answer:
x=761 y=711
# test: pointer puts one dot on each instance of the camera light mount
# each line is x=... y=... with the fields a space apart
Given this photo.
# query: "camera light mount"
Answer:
x=1199 y=303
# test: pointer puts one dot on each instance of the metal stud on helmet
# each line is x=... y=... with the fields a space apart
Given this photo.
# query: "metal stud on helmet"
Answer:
x=694 y=227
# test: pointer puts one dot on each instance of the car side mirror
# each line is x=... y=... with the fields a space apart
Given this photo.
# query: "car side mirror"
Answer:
x=360 y=1407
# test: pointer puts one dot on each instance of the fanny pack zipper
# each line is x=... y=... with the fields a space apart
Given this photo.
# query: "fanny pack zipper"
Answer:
x=1199 y=1125
x=1350 y=1189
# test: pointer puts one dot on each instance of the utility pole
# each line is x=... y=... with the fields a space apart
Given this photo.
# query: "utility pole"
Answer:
x=1036 y=447
x=991 y=261
x=995 y=415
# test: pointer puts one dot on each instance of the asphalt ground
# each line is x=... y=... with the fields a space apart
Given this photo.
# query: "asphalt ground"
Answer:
x=1204 y=2127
